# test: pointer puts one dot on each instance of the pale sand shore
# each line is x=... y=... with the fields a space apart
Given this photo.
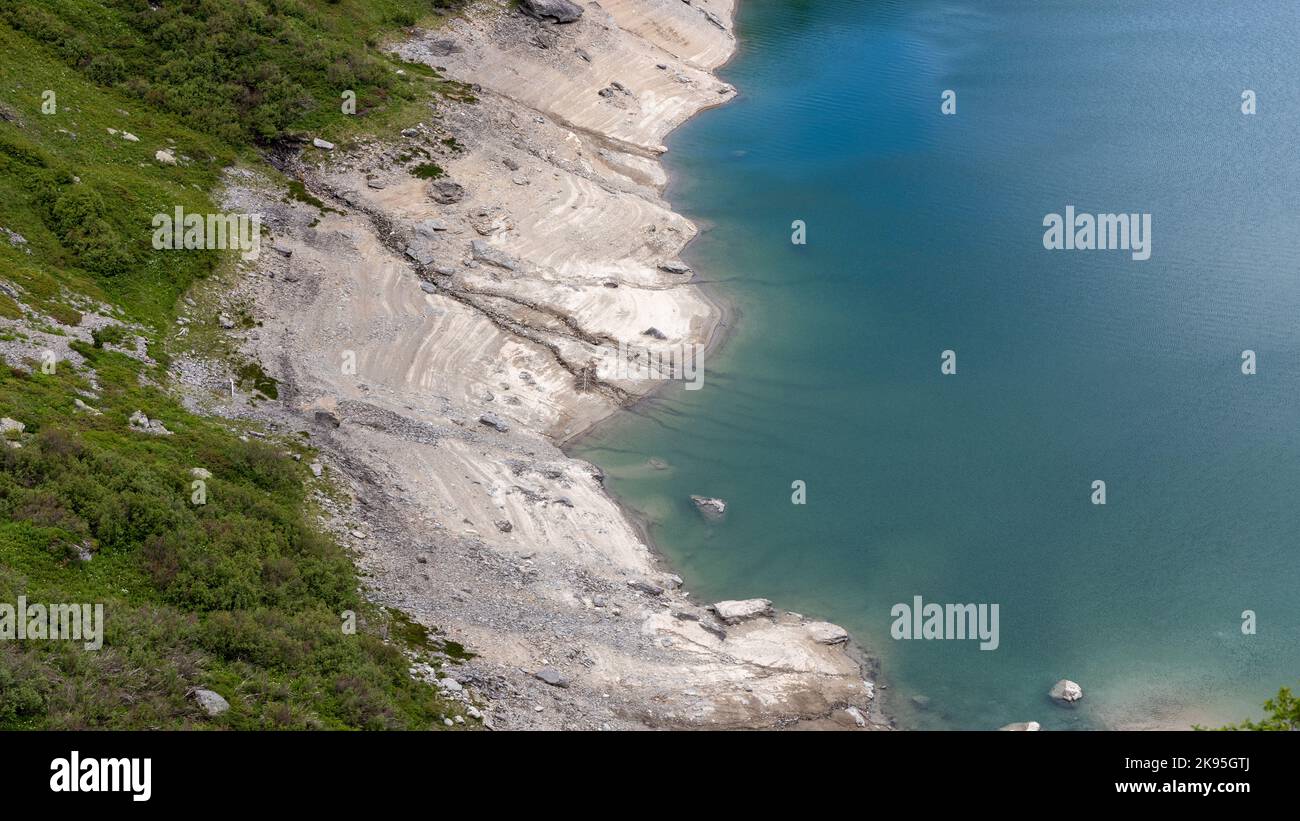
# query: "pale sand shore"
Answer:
x=496 y=537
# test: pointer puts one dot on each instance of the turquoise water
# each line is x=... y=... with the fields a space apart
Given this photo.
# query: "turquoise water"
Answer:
x=925 y=234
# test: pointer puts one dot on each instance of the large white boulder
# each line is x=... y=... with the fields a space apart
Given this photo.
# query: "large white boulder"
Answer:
x=1022 y=727
x=734 y=612
x=823 y=632
x=1066 y=691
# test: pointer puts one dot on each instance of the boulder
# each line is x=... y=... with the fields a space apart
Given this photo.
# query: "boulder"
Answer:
x=165 y=157
x=823 y=632
x=84 y=408
x=1022 y=727
x=144 y=424
x=552 y=677
x=200 y=473
x=211 y=702
x=654 y=333
x=420 y=254
x=1066 y=691
x=325 y=144
x=645 y=586
x=734 y=612
x=8 y=425
x=492 y=255
x=446 y=192
x=495 y=422
x=711 y=507
x=429 y=228
x=561 y=11
x=675 y=267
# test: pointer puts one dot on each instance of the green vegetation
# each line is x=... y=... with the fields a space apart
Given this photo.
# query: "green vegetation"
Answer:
x=428 y=171
x=1280 y=713
x=241 y=70
x=252 y=377
x=110 y=335
x=242 y=594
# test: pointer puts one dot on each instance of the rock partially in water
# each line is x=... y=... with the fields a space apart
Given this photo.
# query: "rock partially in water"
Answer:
x=823 y=632
x=1022 y=727
x=736 y=611
x=1066 y=691
x=711 y=507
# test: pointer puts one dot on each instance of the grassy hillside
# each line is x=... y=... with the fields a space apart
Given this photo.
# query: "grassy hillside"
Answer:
x=243 y=593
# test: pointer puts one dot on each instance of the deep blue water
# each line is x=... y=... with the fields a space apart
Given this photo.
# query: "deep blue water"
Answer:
x=925 y=234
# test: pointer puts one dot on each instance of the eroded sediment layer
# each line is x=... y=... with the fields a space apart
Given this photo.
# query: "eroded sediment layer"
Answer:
x=473 y=306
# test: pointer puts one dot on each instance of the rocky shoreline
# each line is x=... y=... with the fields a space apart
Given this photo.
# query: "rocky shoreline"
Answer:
x=438 y=334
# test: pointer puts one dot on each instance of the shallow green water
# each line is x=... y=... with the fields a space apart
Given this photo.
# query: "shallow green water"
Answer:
x=925 y=234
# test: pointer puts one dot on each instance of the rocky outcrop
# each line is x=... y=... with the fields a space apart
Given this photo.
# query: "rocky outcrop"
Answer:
x=143 y=424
